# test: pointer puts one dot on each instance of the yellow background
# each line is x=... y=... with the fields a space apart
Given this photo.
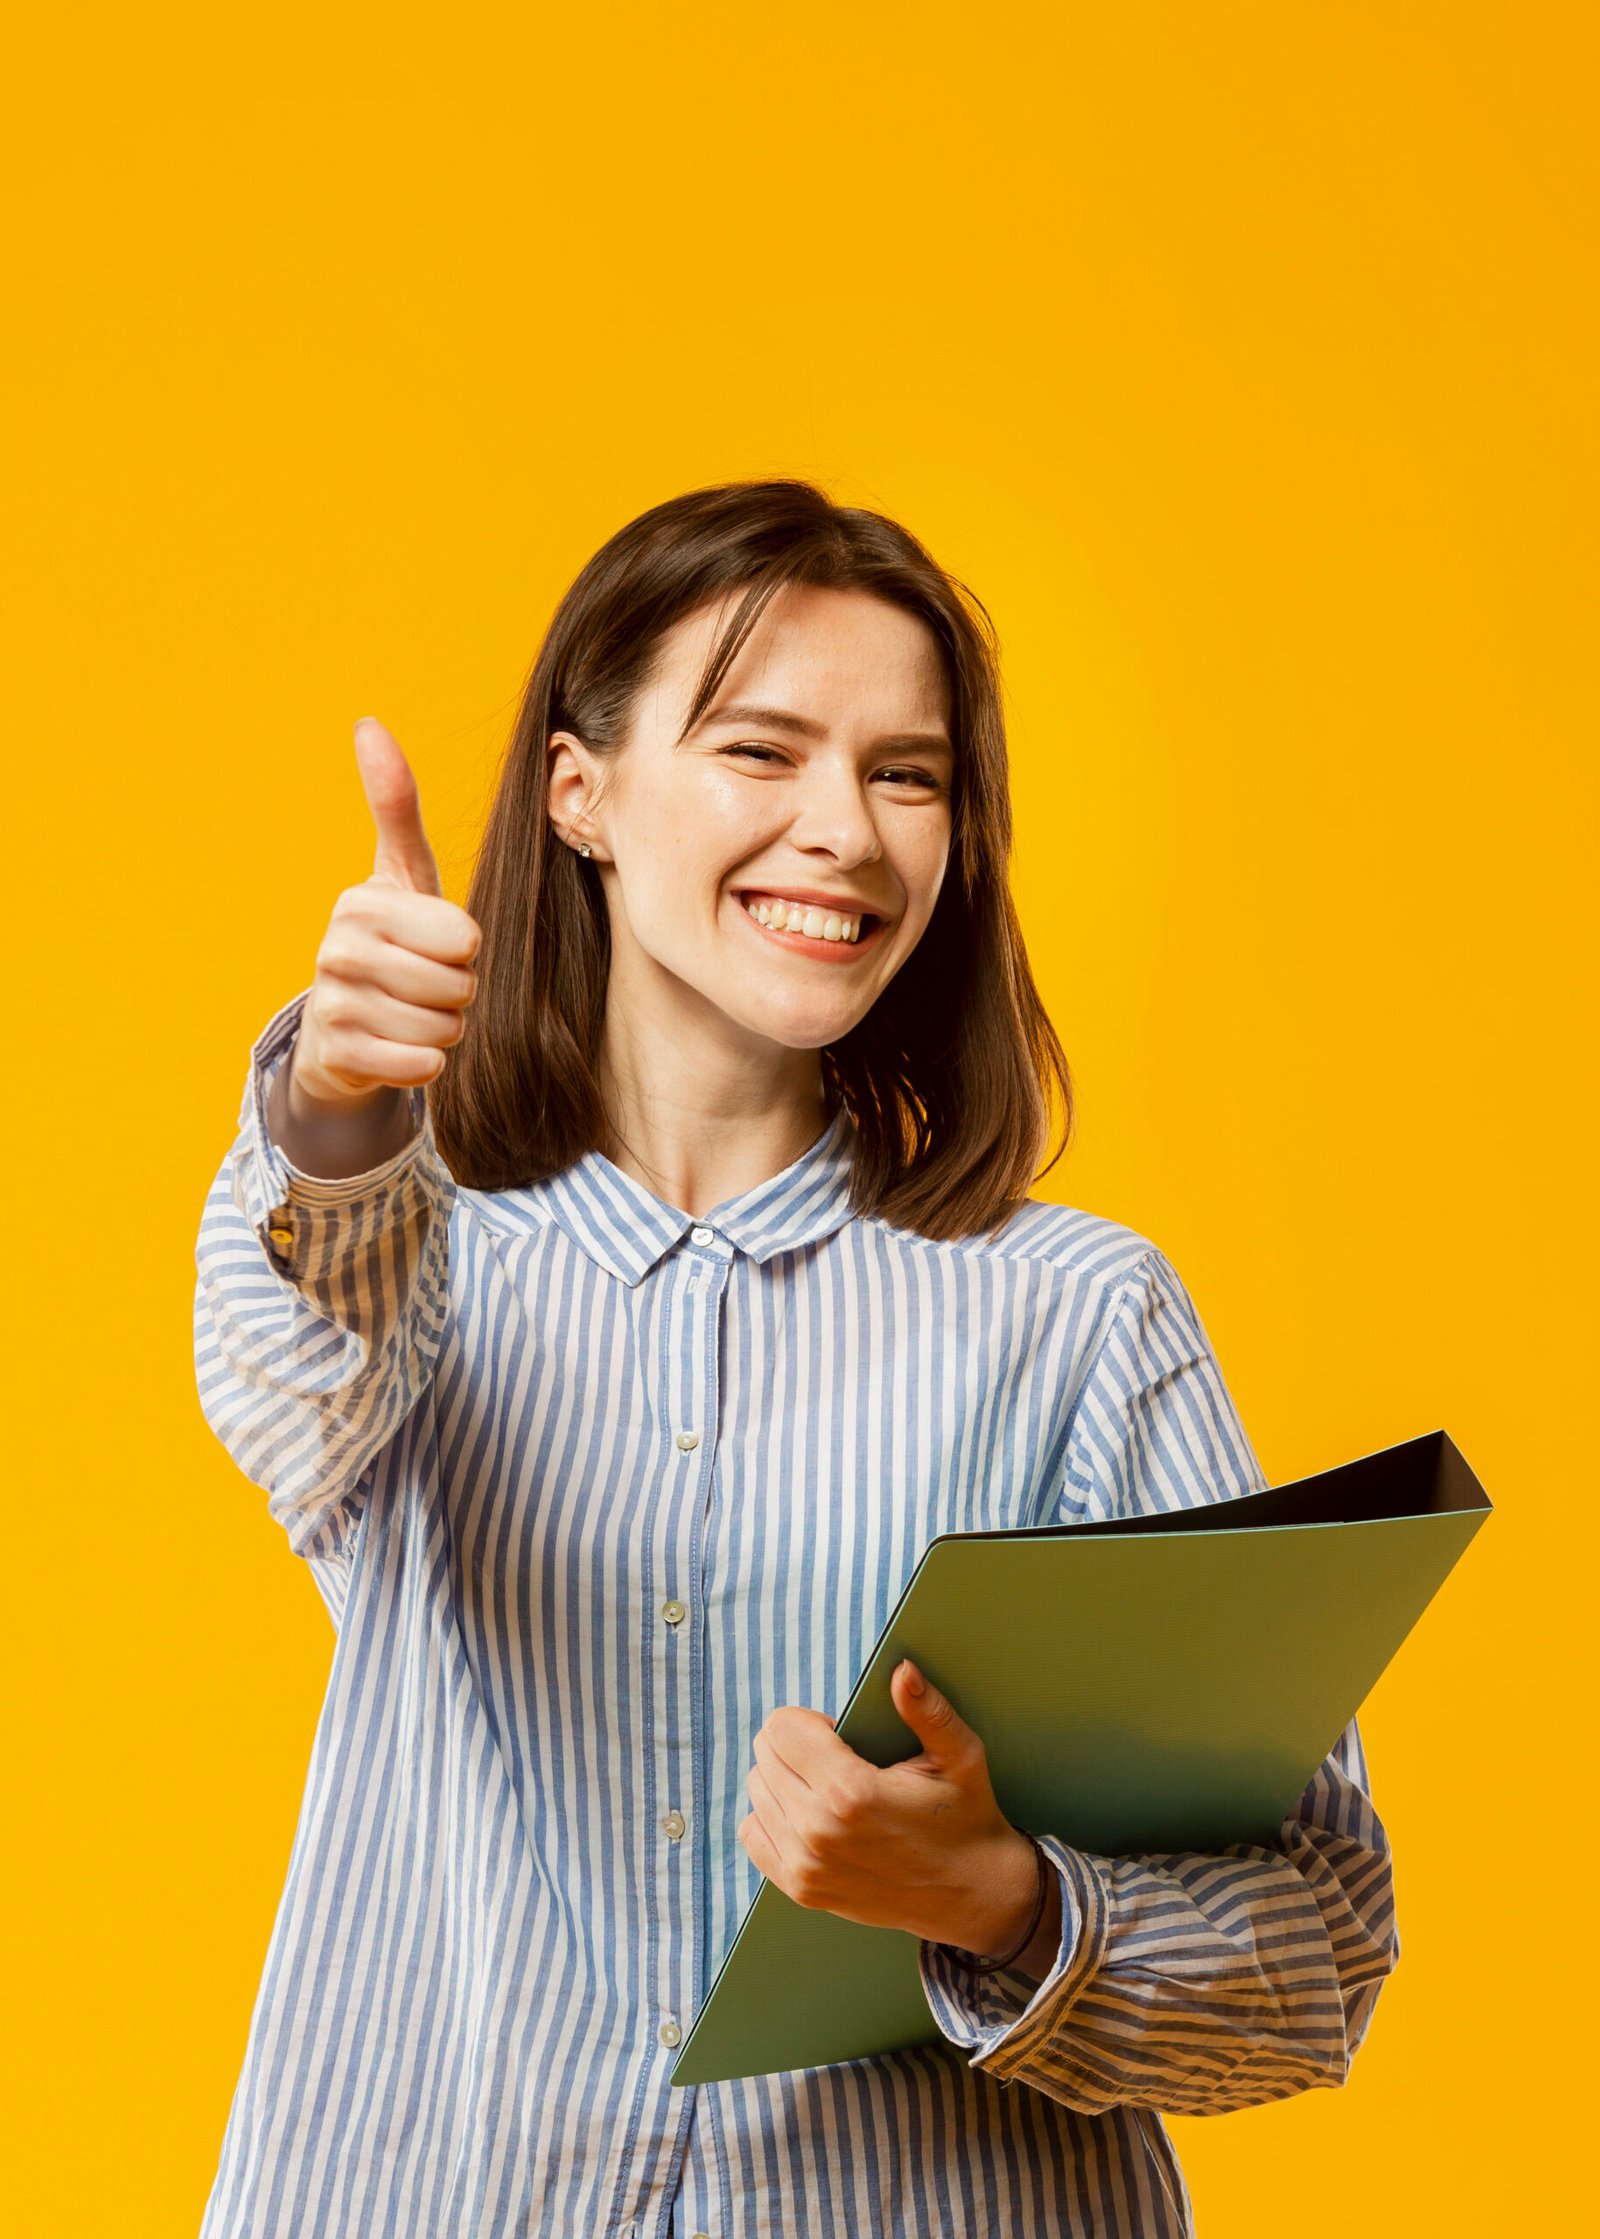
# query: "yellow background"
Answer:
x=1242 y=358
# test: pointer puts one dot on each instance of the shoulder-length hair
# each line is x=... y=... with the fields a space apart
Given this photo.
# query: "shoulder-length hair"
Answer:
x=947 y=1077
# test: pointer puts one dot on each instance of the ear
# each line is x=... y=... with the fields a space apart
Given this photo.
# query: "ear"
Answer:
x=572 y=788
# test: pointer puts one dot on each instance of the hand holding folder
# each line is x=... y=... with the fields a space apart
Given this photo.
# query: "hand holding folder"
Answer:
x=1150 y=1684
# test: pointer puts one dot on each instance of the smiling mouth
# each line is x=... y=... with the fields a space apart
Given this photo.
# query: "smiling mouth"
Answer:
x=808 y=928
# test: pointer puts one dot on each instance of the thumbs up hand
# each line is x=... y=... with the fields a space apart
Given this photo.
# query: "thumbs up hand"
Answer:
x=397 y=967
x=921 y=1845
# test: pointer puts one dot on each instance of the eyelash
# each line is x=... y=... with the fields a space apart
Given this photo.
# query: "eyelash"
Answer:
x=754 y=746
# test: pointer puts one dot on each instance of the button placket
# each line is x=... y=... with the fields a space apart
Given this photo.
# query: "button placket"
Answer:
x=690 y=1399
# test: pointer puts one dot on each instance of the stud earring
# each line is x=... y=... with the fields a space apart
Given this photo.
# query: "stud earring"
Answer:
x=584 y=850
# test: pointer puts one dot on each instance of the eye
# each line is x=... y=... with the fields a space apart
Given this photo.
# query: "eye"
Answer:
x=904 y=774
x=917 y=777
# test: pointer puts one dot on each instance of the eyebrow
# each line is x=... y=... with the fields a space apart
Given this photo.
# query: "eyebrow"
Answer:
x=784 y=719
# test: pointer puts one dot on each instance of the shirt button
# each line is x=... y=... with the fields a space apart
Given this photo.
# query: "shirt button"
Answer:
x=669 y=2032
x=281 y=1237
x=703 y=1235
x=674 y=1612
x=687 y=1439
x=674 y=1823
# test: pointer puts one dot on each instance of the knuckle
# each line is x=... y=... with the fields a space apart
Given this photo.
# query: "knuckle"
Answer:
x=335 y=953
x=809 y=1884
x=849 y=1804
x=362 y=905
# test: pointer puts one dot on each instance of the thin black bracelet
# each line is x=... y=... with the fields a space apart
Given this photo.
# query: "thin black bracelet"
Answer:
x=993 y=1966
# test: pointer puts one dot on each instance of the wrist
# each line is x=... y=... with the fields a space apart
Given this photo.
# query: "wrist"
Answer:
x=1002 y=1909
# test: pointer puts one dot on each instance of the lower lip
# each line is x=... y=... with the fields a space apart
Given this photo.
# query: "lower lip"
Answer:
x=802 y=944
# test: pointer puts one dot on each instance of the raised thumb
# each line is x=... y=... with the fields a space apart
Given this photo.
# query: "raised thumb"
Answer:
x=403 y=856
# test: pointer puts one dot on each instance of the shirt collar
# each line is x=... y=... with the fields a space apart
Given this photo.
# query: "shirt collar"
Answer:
x=626 y=1229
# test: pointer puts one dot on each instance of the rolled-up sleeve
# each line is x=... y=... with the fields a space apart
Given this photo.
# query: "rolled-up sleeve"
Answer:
x=319 y=1306
x=1190 y=1982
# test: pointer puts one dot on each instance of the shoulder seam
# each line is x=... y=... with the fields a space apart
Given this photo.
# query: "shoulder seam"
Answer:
x=978 y=1246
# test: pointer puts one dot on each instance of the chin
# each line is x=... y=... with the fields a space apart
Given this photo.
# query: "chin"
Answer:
x=799 y=1029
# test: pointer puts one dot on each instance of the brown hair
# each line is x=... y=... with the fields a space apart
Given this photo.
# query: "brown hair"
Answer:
x=947 y=1077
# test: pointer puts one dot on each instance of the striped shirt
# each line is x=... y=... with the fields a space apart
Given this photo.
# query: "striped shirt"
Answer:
x=590 y=1487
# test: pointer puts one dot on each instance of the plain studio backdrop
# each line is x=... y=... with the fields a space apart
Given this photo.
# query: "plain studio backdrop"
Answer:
x=1242 y=359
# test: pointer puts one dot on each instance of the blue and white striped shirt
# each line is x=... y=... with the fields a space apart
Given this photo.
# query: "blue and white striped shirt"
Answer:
x=589 y=1488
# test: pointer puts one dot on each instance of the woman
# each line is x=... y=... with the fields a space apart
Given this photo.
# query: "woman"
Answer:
x=614 y=1286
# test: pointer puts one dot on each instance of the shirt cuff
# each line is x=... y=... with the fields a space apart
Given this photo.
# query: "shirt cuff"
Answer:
x=273 y=1188
x=1002 y=2019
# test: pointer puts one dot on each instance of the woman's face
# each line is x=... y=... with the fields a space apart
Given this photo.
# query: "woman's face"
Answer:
x=819 y=779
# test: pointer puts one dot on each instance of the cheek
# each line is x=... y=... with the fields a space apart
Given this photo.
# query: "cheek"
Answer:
x=711 y=828
x=728 y=821
x=924 y=864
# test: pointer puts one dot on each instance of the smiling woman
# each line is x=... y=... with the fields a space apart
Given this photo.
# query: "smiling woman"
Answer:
x=751 y=694
x=613 y=1411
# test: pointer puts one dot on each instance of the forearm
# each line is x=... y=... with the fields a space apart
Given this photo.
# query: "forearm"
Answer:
x=336 y=1141
x=319 y=1307
x=1197 y=1983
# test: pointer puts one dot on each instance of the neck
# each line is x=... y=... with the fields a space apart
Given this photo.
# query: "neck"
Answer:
x=699 y=1116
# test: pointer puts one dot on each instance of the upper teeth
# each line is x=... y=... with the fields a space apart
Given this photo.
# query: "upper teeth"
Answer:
x=784 y=916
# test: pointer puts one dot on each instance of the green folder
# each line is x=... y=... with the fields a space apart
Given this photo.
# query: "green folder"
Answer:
x=1163 y=1683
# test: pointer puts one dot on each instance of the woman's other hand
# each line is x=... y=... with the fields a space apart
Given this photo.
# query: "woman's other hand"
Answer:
x=921 y=1845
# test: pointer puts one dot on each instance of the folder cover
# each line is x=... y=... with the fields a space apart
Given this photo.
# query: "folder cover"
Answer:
x=1146 y=1684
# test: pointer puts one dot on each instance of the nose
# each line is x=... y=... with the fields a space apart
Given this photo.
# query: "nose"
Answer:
x=834 y=817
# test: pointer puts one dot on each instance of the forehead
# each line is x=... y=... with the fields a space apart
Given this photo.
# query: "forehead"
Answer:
x=847 y=659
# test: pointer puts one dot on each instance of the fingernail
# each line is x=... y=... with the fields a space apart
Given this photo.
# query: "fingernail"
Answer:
x=915 y=1684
